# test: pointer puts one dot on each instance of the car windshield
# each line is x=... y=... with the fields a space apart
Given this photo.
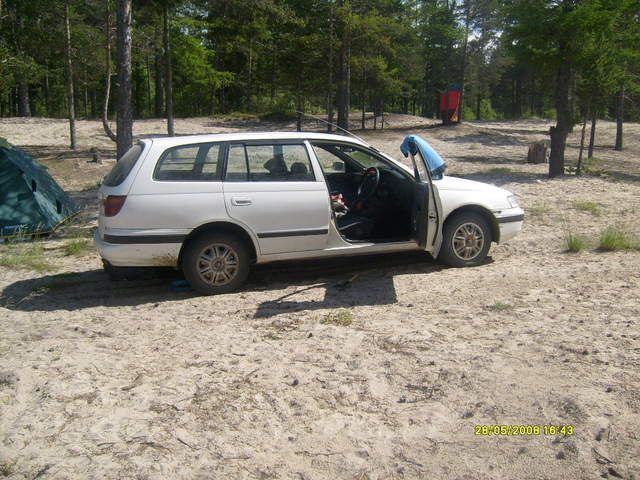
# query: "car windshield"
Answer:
x=357 y=155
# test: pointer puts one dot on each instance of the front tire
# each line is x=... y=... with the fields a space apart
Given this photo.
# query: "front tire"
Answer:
x=215 y=263
x=466 y=240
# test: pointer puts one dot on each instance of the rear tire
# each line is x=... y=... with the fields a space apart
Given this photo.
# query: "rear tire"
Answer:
x=216 y=263
x=466 y=240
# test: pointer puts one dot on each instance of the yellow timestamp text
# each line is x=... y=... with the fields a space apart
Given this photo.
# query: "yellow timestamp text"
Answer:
x=513 y=430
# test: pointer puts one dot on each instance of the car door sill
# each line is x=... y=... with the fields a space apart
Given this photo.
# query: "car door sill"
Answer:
x=349 y=248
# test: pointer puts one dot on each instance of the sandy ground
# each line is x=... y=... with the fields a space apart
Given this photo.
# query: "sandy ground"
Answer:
x=133 y=379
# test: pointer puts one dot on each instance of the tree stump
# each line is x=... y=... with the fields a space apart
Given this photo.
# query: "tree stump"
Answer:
x=95 y=155
x=538 y=152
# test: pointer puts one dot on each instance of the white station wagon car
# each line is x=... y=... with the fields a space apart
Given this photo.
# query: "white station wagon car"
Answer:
x=215 y=204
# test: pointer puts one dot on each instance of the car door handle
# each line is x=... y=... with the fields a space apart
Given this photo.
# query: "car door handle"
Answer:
x=240 y=201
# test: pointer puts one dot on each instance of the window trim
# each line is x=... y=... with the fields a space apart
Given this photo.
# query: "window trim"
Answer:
x=199 y=161
x=266 y=143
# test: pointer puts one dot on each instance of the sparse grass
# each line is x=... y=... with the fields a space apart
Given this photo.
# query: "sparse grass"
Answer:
x=76 y=247
x=613 y=239
x=538 y=210
x=586 y=206
x=500 y=307
x=78 y=232
x=500 y=170
x=7 y=467
x=575 y=243
x=65 y=280
x=91 y=186
x=342 y=317
x=591 y=167
x=24 y=256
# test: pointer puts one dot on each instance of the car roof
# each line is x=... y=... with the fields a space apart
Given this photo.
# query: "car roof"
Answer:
x=166 y=142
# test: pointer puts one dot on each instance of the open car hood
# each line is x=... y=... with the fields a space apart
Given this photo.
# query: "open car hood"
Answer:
x=413 y=144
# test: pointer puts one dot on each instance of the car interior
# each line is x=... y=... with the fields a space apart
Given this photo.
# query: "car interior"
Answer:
x=371 y=200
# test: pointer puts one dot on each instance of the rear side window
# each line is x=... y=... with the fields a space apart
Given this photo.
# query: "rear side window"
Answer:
x=269 y=163
x=189 y=163
x=123 y=167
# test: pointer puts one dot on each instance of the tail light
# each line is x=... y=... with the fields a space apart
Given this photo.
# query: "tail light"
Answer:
x=113 y=204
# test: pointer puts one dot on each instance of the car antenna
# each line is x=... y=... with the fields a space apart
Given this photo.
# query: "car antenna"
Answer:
x=333 y=125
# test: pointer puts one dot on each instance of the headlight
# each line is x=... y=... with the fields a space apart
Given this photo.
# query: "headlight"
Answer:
x=513 y=201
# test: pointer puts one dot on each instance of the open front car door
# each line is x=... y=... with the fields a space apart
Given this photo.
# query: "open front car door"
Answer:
x=426 y=218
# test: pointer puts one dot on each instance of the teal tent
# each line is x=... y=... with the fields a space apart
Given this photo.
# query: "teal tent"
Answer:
x=31 y=202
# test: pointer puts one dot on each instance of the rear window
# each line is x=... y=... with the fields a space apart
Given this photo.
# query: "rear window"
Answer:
x=185 y=163
x=123 y=167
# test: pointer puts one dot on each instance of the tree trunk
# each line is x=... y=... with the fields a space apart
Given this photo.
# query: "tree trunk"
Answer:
x=619 y=119
x=107 y=86
x=167 y=71
x=47 y=93
x=584 y=127
x=564 y=119
x=93 y=98
x=148 y=82
x=592 y=134
x=159 y=90
x=463 y=70
x=86 y=94
x=330 y=80
x=123 y=45
x=299 y=105
x=344 y=81
x=69 y=71
x=24 y=109
x=364 y=95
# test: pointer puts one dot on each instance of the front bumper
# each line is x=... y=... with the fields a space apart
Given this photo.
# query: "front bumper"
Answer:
x=510 y=223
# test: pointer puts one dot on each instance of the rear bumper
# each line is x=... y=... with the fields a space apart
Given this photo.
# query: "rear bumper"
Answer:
x=510 y=223
x=124 y=254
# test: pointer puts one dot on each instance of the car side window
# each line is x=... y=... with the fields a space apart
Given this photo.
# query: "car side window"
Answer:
x=269 y=163
x=237 y=170
x=189 y=163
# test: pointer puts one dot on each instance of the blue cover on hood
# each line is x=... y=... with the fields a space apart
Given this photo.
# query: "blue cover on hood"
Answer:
x=413 y=143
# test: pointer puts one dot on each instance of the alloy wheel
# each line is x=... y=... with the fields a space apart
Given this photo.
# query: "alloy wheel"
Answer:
x=468 y=241
x=217 y=264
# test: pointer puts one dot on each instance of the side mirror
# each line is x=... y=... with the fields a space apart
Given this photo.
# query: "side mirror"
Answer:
x=338 y=166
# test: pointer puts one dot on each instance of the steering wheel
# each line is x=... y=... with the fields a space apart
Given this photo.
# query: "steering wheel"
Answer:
x=369 y=183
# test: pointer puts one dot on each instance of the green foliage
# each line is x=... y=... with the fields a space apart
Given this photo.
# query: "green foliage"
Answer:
x=467 y=113
x=500 y=307
x=24 y=256
x=270 y=58
x=614 y=239
x=486 y=110
x=575 y=243
x=76 y=247
x=341 y=318
x=587 y=206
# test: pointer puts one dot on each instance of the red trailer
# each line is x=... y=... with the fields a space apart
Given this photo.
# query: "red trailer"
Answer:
x=450 y=105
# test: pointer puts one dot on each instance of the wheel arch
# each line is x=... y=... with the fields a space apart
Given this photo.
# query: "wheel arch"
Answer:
x=486 y=214
x=222 y=227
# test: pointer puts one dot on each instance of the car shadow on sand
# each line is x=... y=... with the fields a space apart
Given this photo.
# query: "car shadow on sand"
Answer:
x=360 y=280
